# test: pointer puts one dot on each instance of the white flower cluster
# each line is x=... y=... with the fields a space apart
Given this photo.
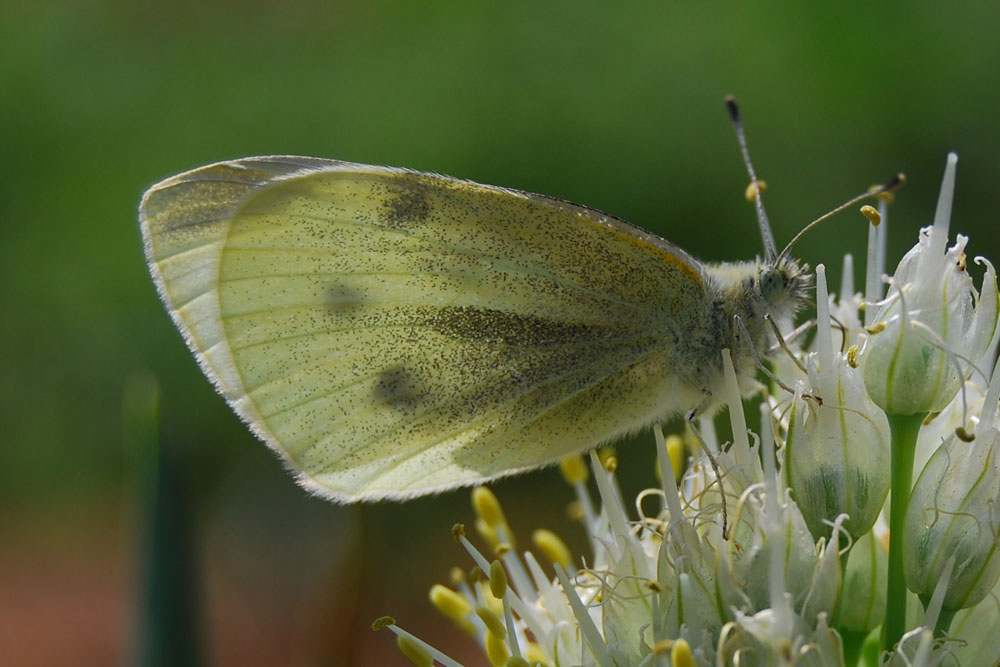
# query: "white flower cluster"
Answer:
x=772 y=550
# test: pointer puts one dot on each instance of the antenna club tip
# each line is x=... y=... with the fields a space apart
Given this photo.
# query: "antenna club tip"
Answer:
x=885 y=190
x=733 y=108
x=894 y=183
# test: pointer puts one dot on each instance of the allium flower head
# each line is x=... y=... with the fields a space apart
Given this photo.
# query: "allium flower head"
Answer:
x=706 y=574
x=761 y=552
x=934 y=320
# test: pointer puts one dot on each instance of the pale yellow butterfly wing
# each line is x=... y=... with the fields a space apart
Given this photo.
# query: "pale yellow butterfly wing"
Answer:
x=393 y=333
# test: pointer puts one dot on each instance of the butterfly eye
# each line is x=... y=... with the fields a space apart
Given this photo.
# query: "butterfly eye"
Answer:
x=772 y=283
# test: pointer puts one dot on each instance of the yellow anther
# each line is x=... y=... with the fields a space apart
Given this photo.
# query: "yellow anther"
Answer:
x=534 y=653
x=552 y=546
x=457 y=532
x=878 y=327
x=675 y=449
x=852 y=356
x=413 y=651
x=502 y=548
x=654 y=586
x=383 y=622
x=450 y=603
x=751 y=192
x=467 y=627
x=611 y=463
x=488 y=507
x=498 y=580
x=606 y=453
x=574 y=469
x=496 y=650
x=574 y=510
x=456 y=575
x=490 y=600
x=964 y=435
x=487 y=533
x=492 y=621
x=888 y=196
x=680 y=654
x=872 y=214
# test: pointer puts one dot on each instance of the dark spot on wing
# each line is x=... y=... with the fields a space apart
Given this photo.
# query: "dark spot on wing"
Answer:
x=485 y=325
x=400 y=388
x=342 y=298
x=407 y=207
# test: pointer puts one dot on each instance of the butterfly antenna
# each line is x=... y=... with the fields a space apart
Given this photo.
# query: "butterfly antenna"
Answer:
x=892 y=184
x=770 y=252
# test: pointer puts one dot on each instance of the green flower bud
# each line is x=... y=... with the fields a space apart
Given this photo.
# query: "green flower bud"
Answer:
x=862 y=606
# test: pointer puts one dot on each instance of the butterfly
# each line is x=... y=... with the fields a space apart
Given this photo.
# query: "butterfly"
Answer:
x=392 y=333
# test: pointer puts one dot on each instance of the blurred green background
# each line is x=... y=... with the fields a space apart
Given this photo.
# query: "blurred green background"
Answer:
x=615 y=105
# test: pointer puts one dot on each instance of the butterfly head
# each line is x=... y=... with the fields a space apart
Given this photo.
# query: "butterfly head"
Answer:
x=784 y=282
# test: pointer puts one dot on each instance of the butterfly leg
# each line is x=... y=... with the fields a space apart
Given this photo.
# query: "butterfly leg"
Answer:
x=718 y=475
x=760 y=363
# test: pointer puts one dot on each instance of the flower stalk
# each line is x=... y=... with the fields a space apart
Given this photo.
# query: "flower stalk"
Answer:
x=904 y=429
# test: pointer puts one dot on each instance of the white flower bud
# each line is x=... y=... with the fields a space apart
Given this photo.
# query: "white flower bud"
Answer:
x=837 y=453
x=933 y=319
x=954 y=514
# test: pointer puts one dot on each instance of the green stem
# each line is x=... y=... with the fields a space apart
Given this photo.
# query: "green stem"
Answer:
x=870 y=651
x=853 y=644
x=944 y=622
x=904 y=441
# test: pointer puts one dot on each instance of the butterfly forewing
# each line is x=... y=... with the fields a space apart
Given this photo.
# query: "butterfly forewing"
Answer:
x=394 y=333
